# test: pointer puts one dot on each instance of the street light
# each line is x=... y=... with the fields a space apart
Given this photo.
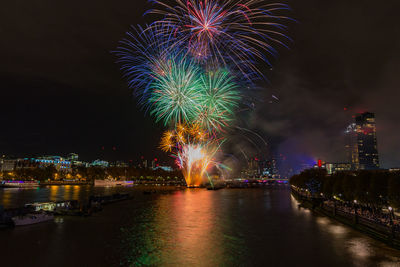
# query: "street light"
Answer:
x=390 y=215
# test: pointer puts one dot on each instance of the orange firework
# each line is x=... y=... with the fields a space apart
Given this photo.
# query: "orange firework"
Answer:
x=194 y=149
x=167 y=141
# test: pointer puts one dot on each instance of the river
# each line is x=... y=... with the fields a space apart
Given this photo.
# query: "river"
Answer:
x=192 y=227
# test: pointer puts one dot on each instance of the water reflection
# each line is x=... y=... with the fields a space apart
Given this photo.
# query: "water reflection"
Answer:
x=18 y=197
x=194 y=228
x=76 y=192
x=54 y=192
x=180 y=230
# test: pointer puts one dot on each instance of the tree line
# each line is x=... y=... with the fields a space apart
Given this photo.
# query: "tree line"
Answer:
x=372 y=188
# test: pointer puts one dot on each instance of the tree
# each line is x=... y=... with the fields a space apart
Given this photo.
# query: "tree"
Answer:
x=394 y=190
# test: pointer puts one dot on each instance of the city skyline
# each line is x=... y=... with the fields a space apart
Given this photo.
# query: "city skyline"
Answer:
x=311 y=96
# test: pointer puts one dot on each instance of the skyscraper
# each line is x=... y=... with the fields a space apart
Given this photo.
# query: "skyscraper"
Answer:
x=361 y=145
x=352 y=146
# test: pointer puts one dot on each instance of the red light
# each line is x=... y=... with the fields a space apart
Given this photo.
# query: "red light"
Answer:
x=344 y=108
x=319 y=163
x=155 y=159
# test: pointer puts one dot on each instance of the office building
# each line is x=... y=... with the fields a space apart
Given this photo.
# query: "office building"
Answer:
x=361 y=143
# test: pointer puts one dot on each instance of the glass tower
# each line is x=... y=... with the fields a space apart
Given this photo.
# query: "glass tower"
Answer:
x=361 y=145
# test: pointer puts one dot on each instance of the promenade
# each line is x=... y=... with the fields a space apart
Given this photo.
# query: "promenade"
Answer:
x=383 y=226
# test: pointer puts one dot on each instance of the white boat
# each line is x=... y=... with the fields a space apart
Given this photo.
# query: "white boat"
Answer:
x=32 y=218
x=20 y=184
x=111 y=183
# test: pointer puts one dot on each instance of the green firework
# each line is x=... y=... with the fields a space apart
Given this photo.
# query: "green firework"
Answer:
x=220 y=97
x=176 y=94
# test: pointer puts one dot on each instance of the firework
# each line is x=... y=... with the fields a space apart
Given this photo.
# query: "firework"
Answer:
x=175 y=95
x=142 y=55
x=193 y=149
x=231 y=32
x=220 y=98
x=167 y=141
x=186 y=69
x=183 y=95
x=195 y=159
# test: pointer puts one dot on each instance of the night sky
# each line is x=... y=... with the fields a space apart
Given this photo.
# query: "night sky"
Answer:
x=62 y=92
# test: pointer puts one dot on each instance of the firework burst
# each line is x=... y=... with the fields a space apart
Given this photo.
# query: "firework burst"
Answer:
x=144 y=54
x=187 y=68
x=229 y=33
x=194 y=150
x=175 y=95
x=220 y=98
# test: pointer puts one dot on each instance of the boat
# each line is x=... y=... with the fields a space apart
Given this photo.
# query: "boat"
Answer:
x=20 y=184
x=32 y=218
x=112 y=183
x=52 y=206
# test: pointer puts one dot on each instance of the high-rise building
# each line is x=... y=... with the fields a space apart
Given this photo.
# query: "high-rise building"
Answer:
x=367 y=145
x=361 y=145
x=352 y=146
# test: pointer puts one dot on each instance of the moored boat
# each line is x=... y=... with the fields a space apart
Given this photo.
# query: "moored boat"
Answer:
x=52 y=206
x=20 y=184
x=112 y=183
x=32 y=218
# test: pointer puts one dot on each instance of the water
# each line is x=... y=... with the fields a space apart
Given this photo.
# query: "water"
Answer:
x=18 y=197
x=193 y=227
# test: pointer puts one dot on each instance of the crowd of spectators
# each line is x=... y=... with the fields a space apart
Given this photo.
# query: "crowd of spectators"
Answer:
x=377 y=215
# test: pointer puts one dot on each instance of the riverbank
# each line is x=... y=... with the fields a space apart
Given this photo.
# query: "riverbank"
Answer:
x=383 y=233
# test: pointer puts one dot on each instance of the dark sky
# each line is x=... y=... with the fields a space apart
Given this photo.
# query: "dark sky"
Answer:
x=62 y=92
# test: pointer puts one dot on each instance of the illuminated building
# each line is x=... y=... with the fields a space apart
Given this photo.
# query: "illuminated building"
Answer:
x=26 y=163
x=99 y=163
x=8 y=164
x=361 y=144
x=73 y=157
x=352 y=146
x=58 y=162
x=268 y=168
x=164 y=168
x=119 y=164
x=251 y=170
x=257 y=167
x=75 y=162
x=332 y=168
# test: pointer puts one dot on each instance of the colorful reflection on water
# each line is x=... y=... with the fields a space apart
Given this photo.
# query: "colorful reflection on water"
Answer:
x=244 y=228
x=18 y=197
x=192 y=227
